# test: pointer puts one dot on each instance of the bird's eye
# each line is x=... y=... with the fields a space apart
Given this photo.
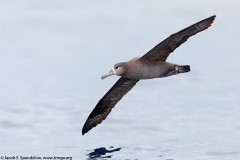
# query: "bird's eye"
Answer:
x=116 y=67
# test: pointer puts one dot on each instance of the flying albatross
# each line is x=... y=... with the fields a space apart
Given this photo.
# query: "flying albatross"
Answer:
x=151 y=65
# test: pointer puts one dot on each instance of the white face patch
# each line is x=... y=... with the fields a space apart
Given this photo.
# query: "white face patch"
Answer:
x=113 y=70
x=177 y=69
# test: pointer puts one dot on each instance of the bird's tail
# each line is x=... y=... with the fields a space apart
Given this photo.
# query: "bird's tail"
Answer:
x=183 y=69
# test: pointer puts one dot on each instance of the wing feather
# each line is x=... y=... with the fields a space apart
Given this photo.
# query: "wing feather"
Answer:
x=163 y=49
x=109 y=100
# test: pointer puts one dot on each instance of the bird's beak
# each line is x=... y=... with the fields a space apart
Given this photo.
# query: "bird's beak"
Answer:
x=111 y=72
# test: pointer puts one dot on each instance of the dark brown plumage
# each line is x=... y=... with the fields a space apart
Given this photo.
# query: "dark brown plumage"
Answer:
x=161 y=51
x=110 y=99
x=151 y=65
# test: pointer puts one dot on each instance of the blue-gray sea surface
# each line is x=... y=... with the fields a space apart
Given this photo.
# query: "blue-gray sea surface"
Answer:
x=53 y=53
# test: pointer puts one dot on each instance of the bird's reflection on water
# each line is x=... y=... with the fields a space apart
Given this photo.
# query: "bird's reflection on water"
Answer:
x=101 y=153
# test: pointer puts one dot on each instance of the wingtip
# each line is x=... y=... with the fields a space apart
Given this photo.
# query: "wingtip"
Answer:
x=83 y=132
x=213 y=17
x=208 y=21
x=85 y=129
x=88 y=125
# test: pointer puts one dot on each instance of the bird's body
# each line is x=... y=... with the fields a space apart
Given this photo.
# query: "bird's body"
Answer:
x=151 y=65
x=137 y=70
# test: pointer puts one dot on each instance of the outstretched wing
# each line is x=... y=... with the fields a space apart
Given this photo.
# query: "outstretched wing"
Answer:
x=109 y=100
x=163 y=49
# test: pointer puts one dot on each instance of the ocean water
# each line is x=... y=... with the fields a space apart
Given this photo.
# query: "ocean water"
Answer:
x=53 y=53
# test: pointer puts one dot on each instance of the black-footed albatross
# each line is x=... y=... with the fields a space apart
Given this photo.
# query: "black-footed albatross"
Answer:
x=151 y=65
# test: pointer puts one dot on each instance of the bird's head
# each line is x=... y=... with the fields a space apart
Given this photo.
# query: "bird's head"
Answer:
x=117 y=69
